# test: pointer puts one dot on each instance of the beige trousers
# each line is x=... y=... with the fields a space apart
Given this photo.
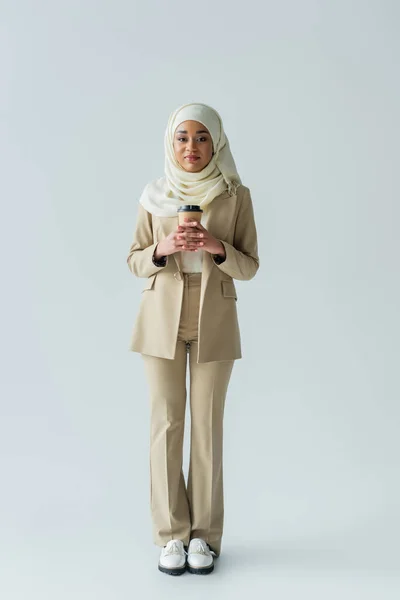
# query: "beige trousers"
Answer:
x=195 y=510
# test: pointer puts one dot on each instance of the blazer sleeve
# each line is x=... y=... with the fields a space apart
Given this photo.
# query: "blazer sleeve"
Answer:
x=140 y=259
x=242 y=260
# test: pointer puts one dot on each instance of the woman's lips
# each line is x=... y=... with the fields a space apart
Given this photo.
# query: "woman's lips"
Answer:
x=192 y=158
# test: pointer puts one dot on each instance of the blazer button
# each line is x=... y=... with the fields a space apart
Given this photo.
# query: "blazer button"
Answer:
x=178 y=276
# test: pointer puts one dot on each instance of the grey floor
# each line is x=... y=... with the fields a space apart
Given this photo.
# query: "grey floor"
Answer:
x=311 y=498
x=99 y=563
x=82 y=530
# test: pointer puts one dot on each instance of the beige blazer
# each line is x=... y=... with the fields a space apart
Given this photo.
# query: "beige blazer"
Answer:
x=155 y=332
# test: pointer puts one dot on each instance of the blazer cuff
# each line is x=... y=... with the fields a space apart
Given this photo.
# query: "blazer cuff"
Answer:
x=218 y=259
x=237 y=264
x=161 y=262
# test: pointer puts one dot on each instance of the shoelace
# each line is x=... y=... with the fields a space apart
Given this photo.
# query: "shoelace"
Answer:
x=200 y=548
x=172 y=548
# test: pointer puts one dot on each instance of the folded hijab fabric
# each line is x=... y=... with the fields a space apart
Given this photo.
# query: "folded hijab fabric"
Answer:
x=162 y=196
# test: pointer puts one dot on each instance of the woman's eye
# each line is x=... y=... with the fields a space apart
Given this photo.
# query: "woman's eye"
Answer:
x=203 y=139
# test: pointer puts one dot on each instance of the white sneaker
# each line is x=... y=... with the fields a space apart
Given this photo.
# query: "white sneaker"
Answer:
x=173 y=558
x=200 y=560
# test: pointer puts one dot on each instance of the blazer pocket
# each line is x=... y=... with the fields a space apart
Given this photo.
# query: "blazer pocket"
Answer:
x=149 y=285
x=228 y=289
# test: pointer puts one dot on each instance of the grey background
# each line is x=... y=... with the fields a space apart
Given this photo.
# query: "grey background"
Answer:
x=309 y=94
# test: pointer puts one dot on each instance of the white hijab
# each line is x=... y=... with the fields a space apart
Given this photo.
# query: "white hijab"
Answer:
x=162 y=196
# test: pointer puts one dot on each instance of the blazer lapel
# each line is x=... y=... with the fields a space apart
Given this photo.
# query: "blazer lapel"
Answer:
x=219 y=222
x=221 y=215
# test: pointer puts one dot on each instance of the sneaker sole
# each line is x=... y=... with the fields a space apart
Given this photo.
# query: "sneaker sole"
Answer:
x=200 y=570
x=176 y=571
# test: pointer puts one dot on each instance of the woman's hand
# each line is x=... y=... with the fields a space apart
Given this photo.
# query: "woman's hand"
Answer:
x=170 y=244
x=196 y=237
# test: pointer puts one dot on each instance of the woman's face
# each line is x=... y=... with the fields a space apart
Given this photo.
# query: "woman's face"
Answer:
x=192 y=139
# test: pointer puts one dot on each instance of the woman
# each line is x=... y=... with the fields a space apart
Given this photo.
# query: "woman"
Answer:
x=188 y=307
